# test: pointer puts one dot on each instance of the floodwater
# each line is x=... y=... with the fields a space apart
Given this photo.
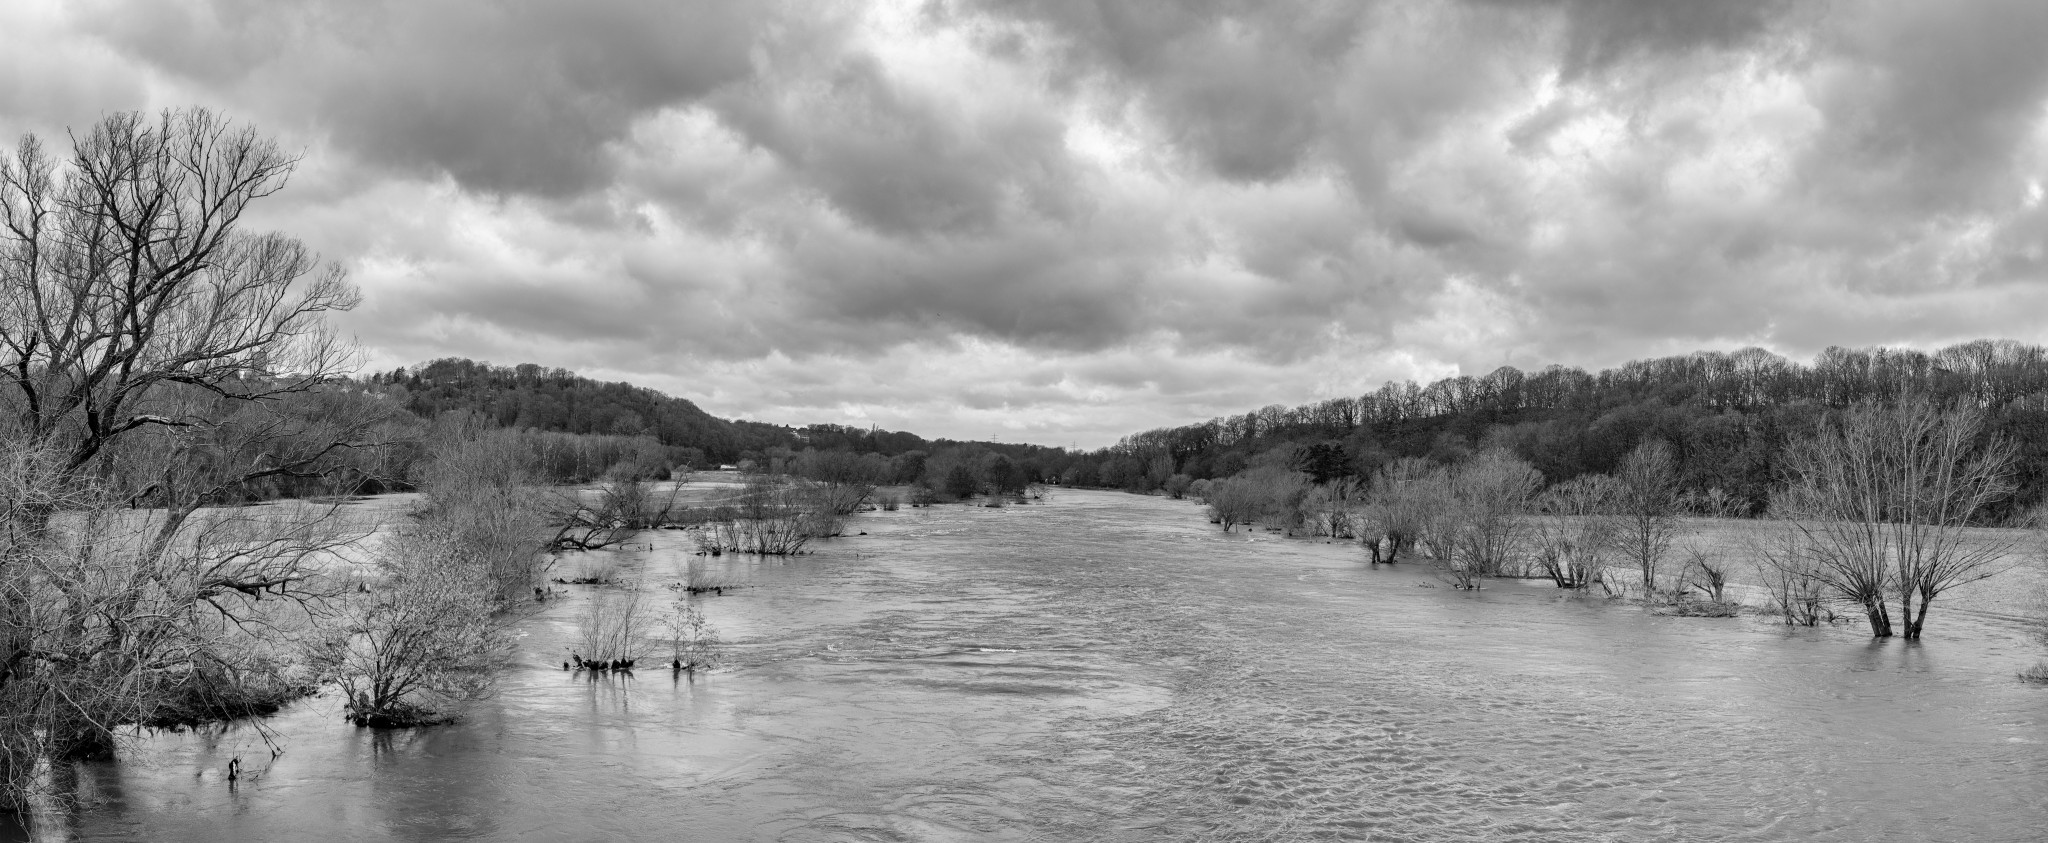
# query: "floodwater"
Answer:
x=1105 y=667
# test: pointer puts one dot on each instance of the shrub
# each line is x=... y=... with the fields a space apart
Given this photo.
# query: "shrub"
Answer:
x=425 y=639
x=614 y=626
x=1177 y=486
x=770 y=519
x=693 y=642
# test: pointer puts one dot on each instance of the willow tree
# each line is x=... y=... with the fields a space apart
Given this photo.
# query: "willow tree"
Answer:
x=153 y=353
x=1578 y=529
x=1647 y=506
x=1397 y=506
x=1884 y=494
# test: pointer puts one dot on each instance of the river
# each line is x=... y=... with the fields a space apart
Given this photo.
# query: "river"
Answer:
x=1107 y=667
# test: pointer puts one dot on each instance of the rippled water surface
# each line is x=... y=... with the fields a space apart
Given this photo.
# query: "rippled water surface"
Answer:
x=1103 y=667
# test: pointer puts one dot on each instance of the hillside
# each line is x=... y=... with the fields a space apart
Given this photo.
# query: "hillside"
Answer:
x=1727 y=414
x=532 y=397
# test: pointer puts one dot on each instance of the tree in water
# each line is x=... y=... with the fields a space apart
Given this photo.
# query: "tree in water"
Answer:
x=154 y=353
x=1884 y=495
x=1397 y=506
x=1648 y=506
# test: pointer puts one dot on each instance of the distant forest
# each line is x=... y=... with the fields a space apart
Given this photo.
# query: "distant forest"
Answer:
x=1727 y=415
x=581 y=429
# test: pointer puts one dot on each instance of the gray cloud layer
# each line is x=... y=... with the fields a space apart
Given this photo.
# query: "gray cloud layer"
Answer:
x=1071 y=220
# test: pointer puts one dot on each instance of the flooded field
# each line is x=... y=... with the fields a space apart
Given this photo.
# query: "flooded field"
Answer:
x=1105 y=667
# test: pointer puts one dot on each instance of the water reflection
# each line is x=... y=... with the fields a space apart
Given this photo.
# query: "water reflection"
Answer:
x=1110 y=668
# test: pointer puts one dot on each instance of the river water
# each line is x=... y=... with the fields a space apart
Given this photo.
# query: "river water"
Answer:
x=1106 y=667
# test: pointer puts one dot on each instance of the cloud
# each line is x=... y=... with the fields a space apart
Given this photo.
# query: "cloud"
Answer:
x=1073 y=220
x=505 y=98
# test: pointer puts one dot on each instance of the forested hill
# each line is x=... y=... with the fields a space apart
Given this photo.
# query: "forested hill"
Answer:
x=1727 y=414
x=532 y=397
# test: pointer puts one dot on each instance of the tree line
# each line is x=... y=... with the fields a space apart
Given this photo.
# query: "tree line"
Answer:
x=578 y=429
x=1727 y=417
x=1876 y=512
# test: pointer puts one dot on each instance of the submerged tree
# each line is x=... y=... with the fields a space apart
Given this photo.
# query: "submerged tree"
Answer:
x=1233 y=501
x=1883 y=495
x=154 y=352
x=1578 y=530
x=424 y=639
x=1484 y=528
x=769 y=518
x=614 y=628
x=1648 y=506
x=1397 y=507
x=693 y=641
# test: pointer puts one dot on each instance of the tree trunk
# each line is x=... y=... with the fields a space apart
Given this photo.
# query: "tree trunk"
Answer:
x=1880 y=618
x=1918 y=619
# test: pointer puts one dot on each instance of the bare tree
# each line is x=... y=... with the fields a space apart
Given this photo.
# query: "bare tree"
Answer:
x=622 y=507
x=1234 y=501
x=614 y=628
x=1708 y=572
x=480 y=490
x=1648 y=509
x=1578 y=529
x=769 y=518
x=1332 y=509
x=1787 y=569
x=693 y=641
x=1885 y=493
x=1486 y=528
x=125 y=270
x=118 y=627
x=427 y=637
x=844 y=480
x=1397 y=506
x=153 y=352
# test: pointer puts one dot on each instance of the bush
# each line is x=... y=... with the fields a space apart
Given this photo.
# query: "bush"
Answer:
x=425 y=639
x=770 y=519
x=693 y=642
x=2038 y=674
x=614 y=626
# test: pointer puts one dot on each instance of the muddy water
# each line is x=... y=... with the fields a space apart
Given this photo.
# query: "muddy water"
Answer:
x=1107 y=667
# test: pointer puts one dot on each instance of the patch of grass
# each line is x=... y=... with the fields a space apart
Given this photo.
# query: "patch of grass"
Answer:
x=1703 y=609
x=2038 y=674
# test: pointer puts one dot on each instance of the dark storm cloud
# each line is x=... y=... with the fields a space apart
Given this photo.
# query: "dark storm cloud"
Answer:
x=1603 y=33
x=503 y=97
x=1927 y=106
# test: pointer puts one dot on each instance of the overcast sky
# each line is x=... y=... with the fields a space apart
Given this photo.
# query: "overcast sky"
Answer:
x=1062 y=222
